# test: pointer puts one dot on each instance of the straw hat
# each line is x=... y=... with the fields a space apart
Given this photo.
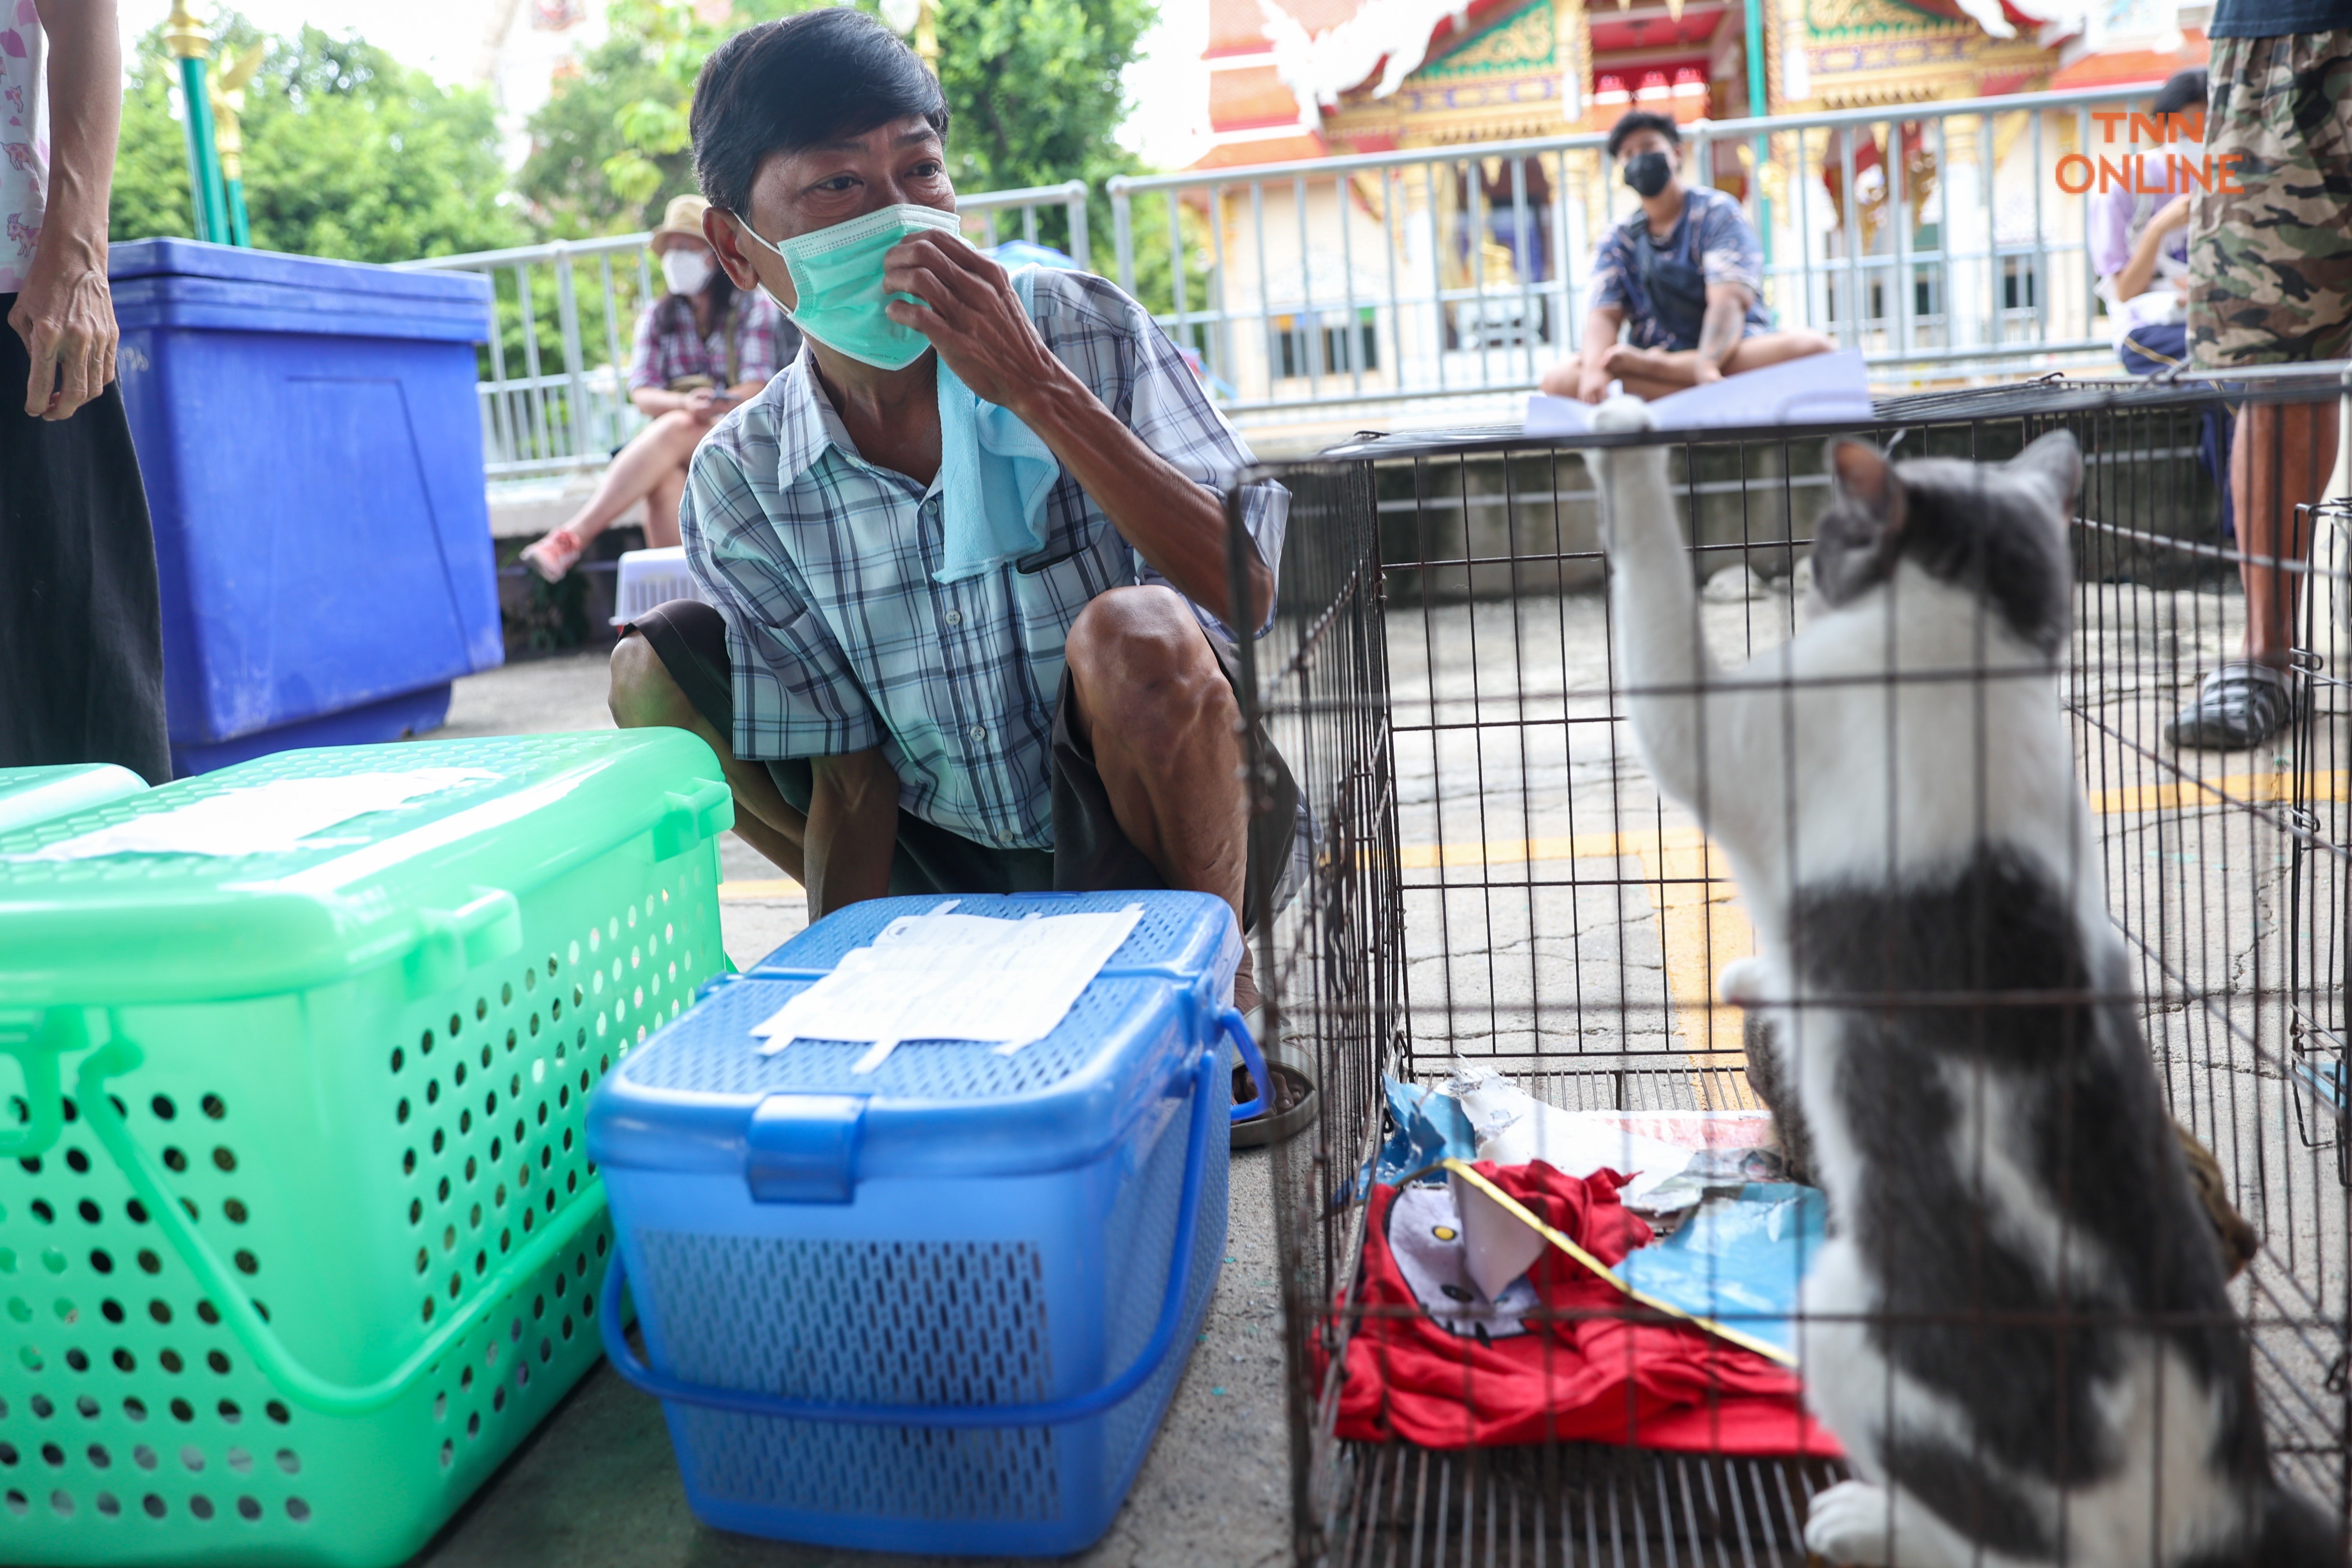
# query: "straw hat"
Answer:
x=683 y=216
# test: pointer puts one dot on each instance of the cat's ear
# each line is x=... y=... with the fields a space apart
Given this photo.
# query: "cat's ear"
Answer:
x=1865 y=475
x=2057 y=462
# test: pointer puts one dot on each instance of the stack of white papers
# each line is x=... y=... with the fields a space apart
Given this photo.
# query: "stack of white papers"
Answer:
x=1826 y=389
x=945 y=976
x=260 y=819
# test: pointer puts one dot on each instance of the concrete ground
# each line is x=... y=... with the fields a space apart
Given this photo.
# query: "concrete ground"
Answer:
x=596 y=1487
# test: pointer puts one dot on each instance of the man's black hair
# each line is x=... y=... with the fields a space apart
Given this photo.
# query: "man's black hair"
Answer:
x=815 y=77
x=1633 y=120
x=2183 y=91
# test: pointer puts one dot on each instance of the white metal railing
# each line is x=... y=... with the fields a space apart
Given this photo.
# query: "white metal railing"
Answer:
x=554 y=392
x=1312 y=292
x=1396 y=278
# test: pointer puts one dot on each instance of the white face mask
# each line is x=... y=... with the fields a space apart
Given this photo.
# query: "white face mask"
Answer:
x=686 y=270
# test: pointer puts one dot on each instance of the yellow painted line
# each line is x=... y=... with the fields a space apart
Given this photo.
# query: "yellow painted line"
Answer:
x=2197 y=794
x=771 y=887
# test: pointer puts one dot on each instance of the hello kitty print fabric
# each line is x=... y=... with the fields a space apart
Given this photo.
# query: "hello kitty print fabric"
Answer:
x=24 y=141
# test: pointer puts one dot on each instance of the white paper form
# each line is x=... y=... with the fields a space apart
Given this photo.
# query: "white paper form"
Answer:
x=259 y=819
x=944 y=976
x=1821 y=389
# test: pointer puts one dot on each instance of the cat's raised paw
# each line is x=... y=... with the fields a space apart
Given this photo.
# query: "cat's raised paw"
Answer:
x=1741 y=983
x=1847 y=1525
x=1624 y=412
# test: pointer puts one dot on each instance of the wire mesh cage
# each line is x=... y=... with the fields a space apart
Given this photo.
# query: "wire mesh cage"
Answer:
x=1505 y=907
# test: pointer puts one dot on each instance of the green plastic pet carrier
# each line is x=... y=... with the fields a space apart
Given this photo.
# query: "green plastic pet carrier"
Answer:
x=298 y=1234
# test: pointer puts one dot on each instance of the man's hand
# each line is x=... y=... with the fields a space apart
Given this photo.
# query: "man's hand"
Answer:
x=703 y=404
x=2172 y=215
x=1593 y=383
x=975 y=320
x=65 y=313
x=1703 y=370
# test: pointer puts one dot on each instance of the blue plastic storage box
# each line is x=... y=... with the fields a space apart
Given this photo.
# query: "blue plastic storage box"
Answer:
x=311 y=443
x=940 y=1306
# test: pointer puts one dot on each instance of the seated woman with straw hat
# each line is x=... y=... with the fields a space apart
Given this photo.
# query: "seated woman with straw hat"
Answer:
x=700 y=349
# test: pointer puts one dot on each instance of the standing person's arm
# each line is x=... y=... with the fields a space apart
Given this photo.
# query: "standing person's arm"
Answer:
x=65 y=312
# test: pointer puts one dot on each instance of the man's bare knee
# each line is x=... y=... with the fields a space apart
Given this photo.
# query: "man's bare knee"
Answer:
x=1135 y=637
x=641 y=693
x=1144 y=671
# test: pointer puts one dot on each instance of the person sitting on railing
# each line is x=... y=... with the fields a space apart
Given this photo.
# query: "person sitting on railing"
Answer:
x=973 y=599
x=2139 y=248
x=701 y=349
x=1681 y=279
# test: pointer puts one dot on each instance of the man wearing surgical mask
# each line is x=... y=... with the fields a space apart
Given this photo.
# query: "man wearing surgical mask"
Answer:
x=1682 y=280
x=972 y=611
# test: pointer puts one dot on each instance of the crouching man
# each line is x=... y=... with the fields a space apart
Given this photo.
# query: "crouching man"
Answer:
x=970 y=627
x=1681 y=279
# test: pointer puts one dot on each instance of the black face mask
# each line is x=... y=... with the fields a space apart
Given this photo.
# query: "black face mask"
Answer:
x=1648 y=173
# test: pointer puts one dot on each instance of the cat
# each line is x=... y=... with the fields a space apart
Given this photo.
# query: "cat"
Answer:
x=2018 y=1327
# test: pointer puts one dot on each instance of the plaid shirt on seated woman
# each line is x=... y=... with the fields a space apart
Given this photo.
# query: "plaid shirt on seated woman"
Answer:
x=752 y=343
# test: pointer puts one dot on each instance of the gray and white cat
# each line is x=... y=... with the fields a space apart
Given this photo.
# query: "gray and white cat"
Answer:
x=2018 y=1327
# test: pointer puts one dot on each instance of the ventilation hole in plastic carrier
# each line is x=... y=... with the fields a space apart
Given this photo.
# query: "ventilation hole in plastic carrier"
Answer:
x=449 y=1453
x=107 y=1504
x=201 y=1505
x=229 y=1411
x=290 y=1462
x=298 y=1511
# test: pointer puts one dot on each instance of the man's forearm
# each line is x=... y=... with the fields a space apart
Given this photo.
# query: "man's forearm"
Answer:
x=1176 y=523
x=852 y=830
x=1718 y=333
x=1601 y=326
x=85 y=99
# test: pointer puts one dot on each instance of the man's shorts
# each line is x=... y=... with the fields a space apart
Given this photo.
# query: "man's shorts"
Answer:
x=2271 y=267
x=1091 y=853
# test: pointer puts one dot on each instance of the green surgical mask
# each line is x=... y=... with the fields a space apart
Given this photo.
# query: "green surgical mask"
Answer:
x=837 y=274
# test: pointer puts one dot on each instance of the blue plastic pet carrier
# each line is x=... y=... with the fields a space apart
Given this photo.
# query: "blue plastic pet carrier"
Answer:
x=940 y=1306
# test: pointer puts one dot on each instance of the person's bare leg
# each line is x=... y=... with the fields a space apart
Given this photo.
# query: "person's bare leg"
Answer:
x=660 y=449
x=661 y=508
x=643 y=695
x=1775 y=348
x=1166 y=734
x=2282 y=458
x=1669 y=370
x=1650 y=391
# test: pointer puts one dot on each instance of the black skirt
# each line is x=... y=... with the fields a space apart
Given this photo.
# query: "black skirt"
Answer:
x=82 y=631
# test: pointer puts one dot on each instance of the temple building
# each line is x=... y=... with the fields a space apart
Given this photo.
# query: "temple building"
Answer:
x=1424 y=259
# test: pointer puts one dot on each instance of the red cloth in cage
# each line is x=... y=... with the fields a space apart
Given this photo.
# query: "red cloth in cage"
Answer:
x=1559 y=1356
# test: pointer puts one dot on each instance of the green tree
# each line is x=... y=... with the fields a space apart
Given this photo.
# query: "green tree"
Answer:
x=1033 y=88
x=348 y=153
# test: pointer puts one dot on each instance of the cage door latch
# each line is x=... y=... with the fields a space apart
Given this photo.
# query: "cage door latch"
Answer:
x=802 y=1148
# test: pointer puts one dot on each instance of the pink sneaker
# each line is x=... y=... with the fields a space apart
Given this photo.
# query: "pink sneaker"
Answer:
x=554 y=555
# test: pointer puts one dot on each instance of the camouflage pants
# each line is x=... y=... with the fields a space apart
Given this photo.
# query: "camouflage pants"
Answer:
x=2271 y=266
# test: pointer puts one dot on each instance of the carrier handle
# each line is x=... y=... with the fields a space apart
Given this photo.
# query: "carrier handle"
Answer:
x=1052 y=1412
x=1231 y=1023
x=260 y=1341
x=36 y=1038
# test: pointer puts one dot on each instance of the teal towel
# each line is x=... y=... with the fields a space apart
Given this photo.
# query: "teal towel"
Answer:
x=994 y=475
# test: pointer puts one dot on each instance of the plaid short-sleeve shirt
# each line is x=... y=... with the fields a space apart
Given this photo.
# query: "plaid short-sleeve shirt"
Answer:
x=841 y=638
x=667 y=346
